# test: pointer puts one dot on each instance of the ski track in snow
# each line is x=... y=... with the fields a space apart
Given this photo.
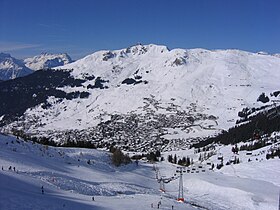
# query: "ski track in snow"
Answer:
x=69 y=182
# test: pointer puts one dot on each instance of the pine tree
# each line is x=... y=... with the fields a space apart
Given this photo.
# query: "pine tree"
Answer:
x=188 y=162
x=200 y=157
x=119 y=158
x=184 y=160
x=170 y=158
x=180 y=162
x=175 y=159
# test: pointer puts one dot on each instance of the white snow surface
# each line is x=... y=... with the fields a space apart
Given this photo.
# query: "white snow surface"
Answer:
x=47 y=60
x=199 y=81
x=70 y=182
x=11 y=68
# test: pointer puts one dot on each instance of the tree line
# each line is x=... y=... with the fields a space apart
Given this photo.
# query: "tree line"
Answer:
x=260 y=124
x=184 y=161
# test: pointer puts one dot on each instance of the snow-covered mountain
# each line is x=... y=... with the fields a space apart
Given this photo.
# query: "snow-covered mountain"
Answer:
x=11 y=68
x=47 y=60
x=141 y=99
x=148 y=95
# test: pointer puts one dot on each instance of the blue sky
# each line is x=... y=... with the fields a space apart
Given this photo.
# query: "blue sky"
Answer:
x=81 y=27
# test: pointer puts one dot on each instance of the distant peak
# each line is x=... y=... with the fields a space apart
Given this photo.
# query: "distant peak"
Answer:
x=47 y=60
x=158 y=47
x=4 y=55
x=142 y=49
x=53 y=54
x=277 y=55
x=262 y=53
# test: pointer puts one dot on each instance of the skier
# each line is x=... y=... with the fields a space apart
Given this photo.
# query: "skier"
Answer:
x=172 y=207
x=10 y=168
x=92 y=198
x=14 y=168
x=42 y=189
x=2 y=168
x=159 y=203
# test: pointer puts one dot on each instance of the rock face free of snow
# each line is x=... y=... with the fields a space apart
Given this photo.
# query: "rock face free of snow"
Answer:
x=152 y=94
x=11 y=68
x=46 y=60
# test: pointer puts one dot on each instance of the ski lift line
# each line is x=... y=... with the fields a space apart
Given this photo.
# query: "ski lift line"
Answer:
x=162 y=180
x=192 y=203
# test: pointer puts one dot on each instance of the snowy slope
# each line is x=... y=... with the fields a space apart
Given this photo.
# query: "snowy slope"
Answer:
x=11 y=68
x=174 y=94
x=47 y=60
x=219 y=83
x=70 y=182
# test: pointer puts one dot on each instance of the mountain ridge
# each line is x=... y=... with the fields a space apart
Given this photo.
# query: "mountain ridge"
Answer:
x=153 y=95
x=47 y=60
x=11 y=68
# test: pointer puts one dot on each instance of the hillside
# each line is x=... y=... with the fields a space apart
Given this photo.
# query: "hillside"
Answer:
x=147 y=96
x=71 y=177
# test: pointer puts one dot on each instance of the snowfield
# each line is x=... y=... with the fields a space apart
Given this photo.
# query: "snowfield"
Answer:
x=72 y=176
x=150 y=80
